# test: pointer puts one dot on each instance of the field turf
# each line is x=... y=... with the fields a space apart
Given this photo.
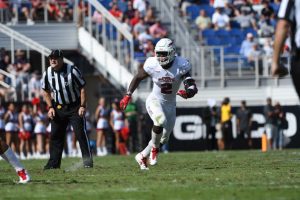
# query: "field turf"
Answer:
x=183 y=175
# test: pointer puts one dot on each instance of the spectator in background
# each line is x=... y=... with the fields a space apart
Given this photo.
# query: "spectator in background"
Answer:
x=226 y=116
x=267 y=10
x=140 y=27
x=244 y=123
x=126 y=24
x=247 y=44
x=117 y=122
x=2 y=123
x=183 y=5
x=220 y=20
x=4 y=63
x=254 y=56
x=37 y=10
x=238 y=3
x=21 y=64
x=267 y=54
x=123 y=5
x=82 y=10
x=271 y=121
x=34 y=85
x=202 y=21
x=41 y=119
x=116 y=12
x=4 y=59
x=136 y=18
x=246 y=20
x=130 y=12
x=266 y=22
x=282 y=124
x=54 y=11
x=67 y=9
x=211 y=118
x=157 y=30
x=11 y=127
x=247 y=8
x=21 y=7
x=150 y=17
x=148 y=48
x=25 y=132
x=229 y=10
x=144 y=36
x=265 y=27
x=131 y=116
x=141 y=6
x=97 y=17
x=20 y=68
x=101 y=116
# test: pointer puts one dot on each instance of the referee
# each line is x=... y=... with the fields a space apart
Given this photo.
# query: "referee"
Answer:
x=66 y=105
x=288 y=20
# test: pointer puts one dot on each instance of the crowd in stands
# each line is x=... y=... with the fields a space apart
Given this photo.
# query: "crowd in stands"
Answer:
x=31 y=11
x=231 y=24
x=138 y=17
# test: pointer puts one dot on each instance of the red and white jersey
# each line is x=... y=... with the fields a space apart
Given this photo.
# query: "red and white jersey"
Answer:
x=166 y=81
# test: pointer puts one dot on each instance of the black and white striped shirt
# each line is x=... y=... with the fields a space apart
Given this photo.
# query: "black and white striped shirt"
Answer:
x=65 y=83
x=290 y=10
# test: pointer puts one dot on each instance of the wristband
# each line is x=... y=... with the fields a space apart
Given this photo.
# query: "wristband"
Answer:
x=82 y=106
x=50 y=107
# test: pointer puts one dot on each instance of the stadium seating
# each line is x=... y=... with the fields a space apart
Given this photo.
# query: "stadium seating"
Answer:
x=193 y=11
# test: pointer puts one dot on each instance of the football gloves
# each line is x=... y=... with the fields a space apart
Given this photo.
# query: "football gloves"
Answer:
x=189 y=93
x=124 y=102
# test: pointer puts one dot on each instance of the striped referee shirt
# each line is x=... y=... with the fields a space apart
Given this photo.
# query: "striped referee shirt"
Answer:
x=290 y=10
x=65 y=84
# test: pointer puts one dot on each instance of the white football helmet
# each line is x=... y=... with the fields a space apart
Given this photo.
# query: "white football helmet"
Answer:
x=165 y=51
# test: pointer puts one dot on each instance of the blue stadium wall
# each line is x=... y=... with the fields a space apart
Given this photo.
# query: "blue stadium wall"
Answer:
x=189 y=130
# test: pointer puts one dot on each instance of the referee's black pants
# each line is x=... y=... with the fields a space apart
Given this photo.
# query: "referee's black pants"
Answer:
x=65 y=114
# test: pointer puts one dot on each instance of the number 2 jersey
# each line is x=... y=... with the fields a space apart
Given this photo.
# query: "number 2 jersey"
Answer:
x=166 y=82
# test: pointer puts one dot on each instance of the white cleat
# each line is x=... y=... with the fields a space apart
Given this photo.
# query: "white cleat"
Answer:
x=24 y=176
x=142 y=161
x=153 y=156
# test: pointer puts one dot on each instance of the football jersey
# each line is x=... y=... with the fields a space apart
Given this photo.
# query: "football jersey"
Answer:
x=166 y=81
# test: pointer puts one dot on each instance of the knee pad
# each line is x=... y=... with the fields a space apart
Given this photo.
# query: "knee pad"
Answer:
x=159 y=120
x=157 y=129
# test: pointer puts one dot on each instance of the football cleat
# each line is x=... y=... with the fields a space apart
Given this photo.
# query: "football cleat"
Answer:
x=24 y=176
x=142 y=161
x=153 y=156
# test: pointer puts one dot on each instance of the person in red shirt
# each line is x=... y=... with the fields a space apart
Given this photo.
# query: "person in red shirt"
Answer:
x=136 y=18
x=116 y=12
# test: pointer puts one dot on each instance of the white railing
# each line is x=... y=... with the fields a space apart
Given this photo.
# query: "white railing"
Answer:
x=30 y=44
x=112 y=35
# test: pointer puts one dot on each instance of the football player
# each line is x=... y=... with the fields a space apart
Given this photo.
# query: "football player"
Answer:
x=8 y=155
x=167 y=71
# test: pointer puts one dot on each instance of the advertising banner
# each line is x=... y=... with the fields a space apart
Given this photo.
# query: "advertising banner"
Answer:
x=189 y=133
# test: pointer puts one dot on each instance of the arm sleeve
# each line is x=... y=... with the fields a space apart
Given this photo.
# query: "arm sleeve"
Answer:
x=45 y=82
x=80 y=81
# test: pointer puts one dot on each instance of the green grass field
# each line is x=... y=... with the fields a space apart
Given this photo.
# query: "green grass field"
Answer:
x=196 y=175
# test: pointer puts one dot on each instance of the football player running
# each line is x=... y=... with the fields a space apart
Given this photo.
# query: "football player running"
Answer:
x=167 y=71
